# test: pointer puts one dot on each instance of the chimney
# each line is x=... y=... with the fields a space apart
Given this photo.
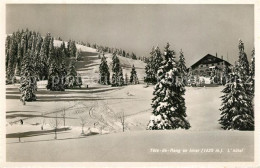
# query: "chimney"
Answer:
x=222 y=57
x=216 y=54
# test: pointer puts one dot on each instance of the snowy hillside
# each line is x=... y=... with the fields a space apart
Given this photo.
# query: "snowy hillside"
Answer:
x=88 y=68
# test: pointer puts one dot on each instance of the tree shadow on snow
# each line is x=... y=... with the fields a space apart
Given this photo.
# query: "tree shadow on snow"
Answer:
x=35 y=133
x=22 y=112
x=32 y=116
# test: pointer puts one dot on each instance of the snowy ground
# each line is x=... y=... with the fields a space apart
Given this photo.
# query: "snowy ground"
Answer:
x=103 y=140
x=137 y=146
x=136 y=143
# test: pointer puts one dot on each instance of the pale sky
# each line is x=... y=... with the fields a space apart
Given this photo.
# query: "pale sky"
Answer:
x=196 y=29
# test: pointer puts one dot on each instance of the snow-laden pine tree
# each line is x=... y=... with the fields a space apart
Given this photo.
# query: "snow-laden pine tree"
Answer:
x=19 y=60
x=63 y=50
x=133 y=77
x=55 y=80
x=72 y=79
x=117 y=75
x=169 y=111
x=243 y=64
x=182 y=67
x=51 y=55
x=225 y=74
x=236 y=107
x=68 y=48
x=237 y=110
x=153 y=64
x=157 y=63
x=244 y=72
x=149 y=69
x=43 y=72
x=28 y=84
x=71 y=76
x=72 y=49
x=12 y=58
x=104 y=74
x=252 y=70
x=121 y=80
x=37 y=57
x=252 y=67
x=63 y=73
x=133 y=56
x=7 y=46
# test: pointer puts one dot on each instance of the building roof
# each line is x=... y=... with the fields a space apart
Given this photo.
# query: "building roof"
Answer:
x=209 y=59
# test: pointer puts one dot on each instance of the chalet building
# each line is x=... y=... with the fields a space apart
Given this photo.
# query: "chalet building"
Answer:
x=207 y=64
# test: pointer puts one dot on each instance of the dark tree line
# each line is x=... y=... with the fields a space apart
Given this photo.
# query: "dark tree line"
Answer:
x=33 y=57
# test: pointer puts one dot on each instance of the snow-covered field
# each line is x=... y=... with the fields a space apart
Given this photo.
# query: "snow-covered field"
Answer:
x=103 y=139
x=139 y=146
x=136 y=143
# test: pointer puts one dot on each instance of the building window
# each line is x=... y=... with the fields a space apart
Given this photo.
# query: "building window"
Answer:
x=201 y=66
x=212 y=64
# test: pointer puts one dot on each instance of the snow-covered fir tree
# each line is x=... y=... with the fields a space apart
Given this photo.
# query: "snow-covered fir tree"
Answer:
x=72 y=49
x=243 y=64
x=63 y=73
x=55 y=79
x=72 y=79
x=252 y=70
x=133 y=56
x=63 y=50
x=28 y=84
x=225 y=74
x=236 y=110
x=117 y=75
x=68 y=48
x=121 y=80
x=12 y=58
x=169 y=110
x=19 y=60
x=104 y=74
x=7 y=46
x=133 y=77
x=51 y=55
x=182 y=67
x=43 y=63
x=149 y=69
x=252 y=67
x=153 y=64
x=37 y=57
x=244 y=71
x=157 y=63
